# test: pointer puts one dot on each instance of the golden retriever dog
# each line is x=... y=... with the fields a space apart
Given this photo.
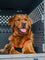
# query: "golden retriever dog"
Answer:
x=21 y=39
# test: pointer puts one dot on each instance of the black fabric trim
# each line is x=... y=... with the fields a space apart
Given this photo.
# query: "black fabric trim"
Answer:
x=19 y=49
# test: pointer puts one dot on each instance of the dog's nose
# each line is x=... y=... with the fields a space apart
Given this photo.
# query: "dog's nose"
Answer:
x=23 y=23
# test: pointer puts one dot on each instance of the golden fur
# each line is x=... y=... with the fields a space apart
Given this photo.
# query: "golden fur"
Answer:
x=17 y=37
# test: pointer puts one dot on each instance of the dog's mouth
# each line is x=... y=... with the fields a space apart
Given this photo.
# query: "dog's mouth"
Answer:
x=23 y=30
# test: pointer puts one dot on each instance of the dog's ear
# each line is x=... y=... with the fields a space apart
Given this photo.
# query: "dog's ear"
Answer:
x=11 y=21
x=30 y=20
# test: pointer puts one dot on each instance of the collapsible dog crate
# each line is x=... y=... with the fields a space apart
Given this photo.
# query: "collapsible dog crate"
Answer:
x=35 y=10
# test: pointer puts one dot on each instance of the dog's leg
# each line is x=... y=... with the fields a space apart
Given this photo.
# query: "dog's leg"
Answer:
x=1 y=50
x=6 y=49
x=13 y=51
x=28 y=48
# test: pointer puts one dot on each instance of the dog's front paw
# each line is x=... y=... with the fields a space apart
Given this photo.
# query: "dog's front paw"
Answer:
x=13 y=51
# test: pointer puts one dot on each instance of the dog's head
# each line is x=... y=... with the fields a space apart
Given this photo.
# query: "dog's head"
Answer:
x=21 y=22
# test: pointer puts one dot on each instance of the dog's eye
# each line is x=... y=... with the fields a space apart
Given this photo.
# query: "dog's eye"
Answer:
x=18 y=19
x=25 y=19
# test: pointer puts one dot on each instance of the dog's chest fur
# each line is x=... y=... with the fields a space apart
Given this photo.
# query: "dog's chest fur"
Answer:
x=17 y=41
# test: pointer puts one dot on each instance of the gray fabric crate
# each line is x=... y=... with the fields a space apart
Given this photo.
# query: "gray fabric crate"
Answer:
x=37 y=26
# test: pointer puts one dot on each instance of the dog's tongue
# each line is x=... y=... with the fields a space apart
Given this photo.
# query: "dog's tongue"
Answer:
x=23 y=30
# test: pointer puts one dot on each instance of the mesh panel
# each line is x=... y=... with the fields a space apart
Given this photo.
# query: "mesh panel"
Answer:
x=4 y=20
x=5 y=28
x=37 y=13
